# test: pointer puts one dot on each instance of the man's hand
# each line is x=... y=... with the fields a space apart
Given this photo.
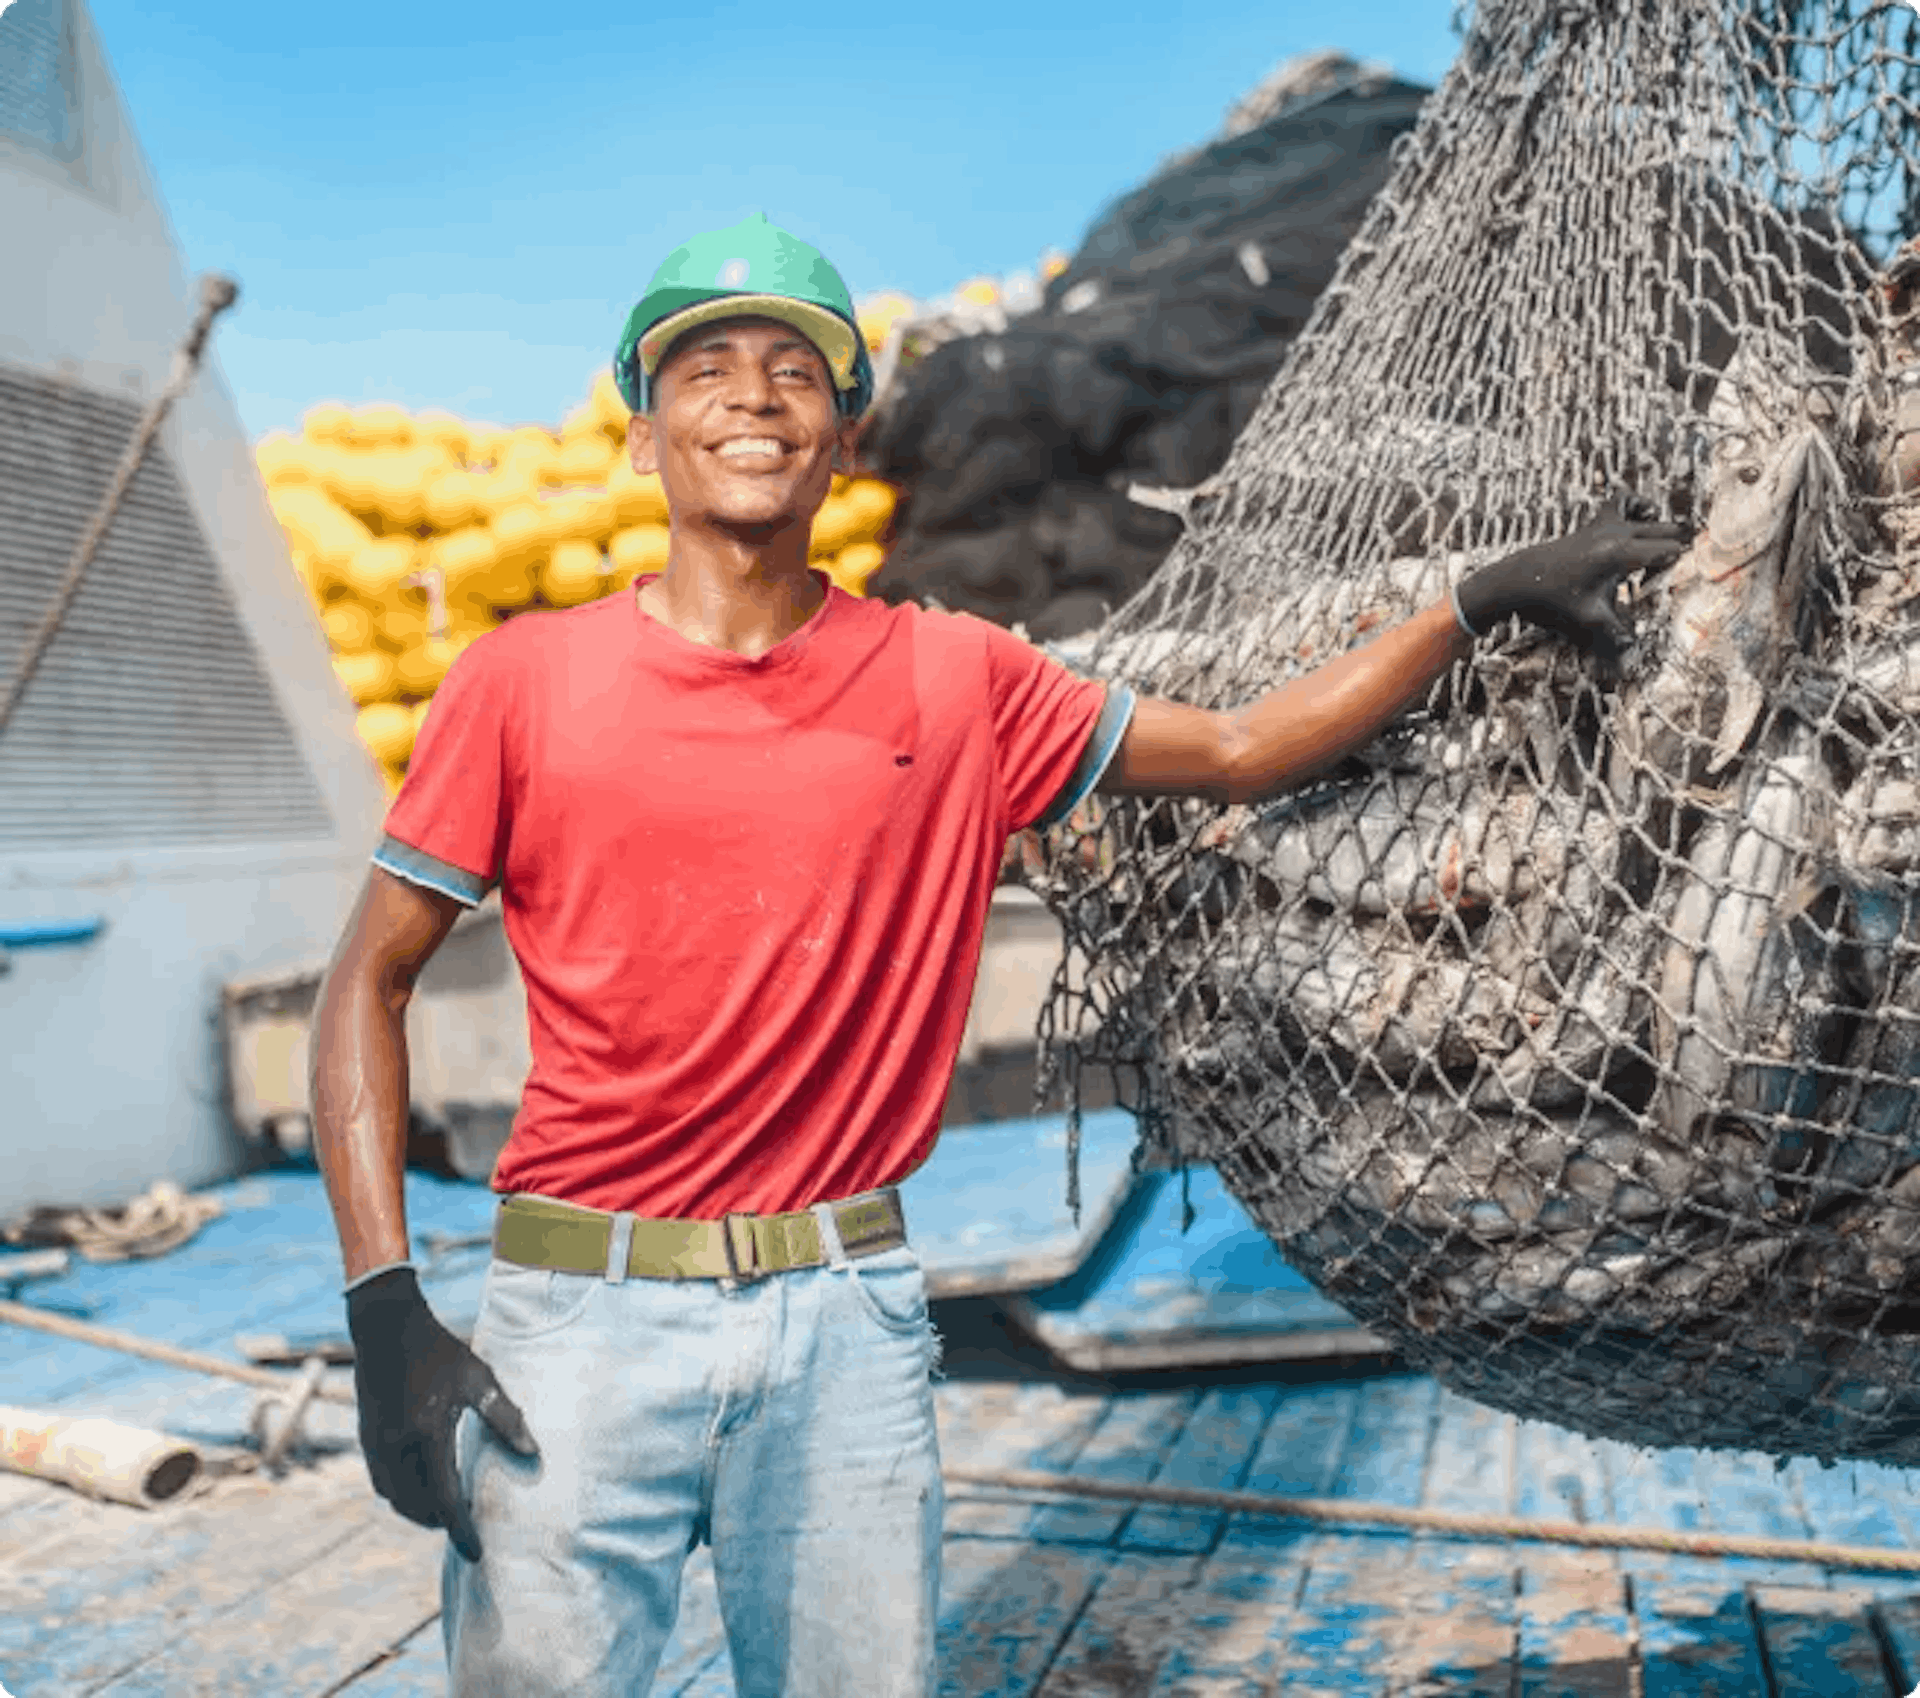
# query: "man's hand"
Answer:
x=414 y=1378
x=1570 y=585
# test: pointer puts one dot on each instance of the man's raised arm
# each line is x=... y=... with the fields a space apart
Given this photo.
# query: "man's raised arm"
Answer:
x=1306 y=725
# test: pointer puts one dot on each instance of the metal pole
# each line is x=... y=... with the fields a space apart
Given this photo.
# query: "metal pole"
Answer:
x=194 y=1361
x=217 y=293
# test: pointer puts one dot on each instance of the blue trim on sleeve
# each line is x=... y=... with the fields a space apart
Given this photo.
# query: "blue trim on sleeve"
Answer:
x=1103 y=743
x=418 y=867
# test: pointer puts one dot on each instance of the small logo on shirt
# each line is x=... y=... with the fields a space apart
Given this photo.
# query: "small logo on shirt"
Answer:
x=733 y=274
x=903 y=760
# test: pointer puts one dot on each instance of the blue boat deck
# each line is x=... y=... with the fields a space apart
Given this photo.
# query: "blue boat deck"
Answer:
x=310 y=1585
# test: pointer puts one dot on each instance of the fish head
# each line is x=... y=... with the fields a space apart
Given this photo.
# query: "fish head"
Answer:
x=1755 y=485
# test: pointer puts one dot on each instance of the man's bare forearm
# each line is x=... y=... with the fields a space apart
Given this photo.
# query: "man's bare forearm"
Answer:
x=360 y=1114
x=1305 y=726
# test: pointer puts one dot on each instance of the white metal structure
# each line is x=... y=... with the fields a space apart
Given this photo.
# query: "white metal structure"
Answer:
x=183 y=768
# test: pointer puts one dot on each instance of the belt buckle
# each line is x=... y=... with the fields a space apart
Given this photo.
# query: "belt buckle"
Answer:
x=736 y=1230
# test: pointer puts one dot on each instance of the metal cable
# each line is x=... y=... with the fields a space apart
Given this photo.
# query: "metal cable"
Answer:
x=217 y=293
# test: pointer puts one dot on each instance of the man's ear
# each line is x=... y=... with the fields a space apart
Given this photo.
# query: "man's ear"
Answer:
x=640 y=445
x=846 y=446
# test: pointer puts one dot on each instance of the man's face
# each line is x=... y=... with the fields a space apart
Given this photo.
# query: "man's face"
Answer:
x=744 y=427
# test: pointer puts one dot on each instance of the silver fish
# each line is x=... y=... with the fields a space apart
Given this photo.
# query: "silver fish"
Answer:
x=1733 y=599
x=1724 y=969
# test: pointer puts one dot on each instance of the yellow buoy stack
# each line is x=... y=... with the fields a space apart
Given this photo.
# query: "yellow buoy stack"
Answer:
x=415 y=533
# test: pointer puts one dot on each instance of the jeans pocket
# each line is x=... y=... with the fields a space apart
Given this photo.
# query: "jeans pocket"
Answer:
x=521 y=1302
x=893 y=1290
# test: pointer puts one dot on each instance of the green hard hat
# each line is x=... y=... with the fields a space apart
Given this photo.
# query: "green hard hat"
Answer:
x=751 y=267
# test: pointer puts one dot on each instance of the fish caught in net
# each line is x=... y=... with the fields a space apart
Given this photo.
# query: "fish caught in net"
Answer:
x=1570 y=1035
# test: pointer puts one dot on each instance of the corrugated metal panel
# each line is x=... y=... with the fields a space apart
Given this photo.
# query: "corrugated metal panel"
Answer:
x=151 y=719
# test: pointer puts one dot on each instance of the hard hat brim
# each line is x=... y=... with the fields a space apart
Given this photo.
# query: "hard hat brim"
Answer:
x=838 y=341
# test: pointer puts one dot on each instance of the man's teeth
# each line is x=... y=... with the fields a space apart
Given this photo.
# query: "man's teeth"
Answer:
x=745 y=445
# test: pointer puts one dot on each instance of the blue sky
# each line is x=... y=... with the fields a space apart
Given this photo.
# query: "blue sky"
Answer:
x=454 y=206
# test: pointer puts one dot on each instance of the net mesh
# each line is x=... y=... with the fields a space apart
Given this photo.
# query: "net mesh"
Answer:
x=1570 y=1036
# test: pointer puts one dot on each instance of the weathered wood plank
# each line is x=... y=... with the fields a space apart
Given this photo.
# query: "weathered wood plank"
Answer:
x=1117 y=1646
x=1860 y=1504
x=1012 y=1627
x=1691 y=1615
x=1899 y=1622
x=1129 y=1445
x=1298 y=1456
x=1819 y=1640
x=1697 y=1640
x=305 y=1634
x=1036 y=1425
x=108 y=1596
x=1238 y=1617
x=417 y=1669
x=1357 y=1585
x=1575 y=1637
x=1471 y=1462
x=1458 y=1629
x=1213 y=1451
x=1574 y=1634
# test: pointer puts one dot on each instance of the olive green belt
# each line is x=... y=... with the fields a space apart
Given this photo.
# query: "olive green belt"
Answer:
x=538 y=1232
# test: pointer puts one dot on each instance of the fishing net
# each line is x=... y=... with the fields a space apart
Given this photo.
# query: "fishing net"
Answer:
x=1570 y=1036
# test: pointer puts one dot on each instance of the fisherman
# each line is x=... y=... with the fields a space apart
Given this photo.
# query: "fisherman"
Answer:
x=745 y=828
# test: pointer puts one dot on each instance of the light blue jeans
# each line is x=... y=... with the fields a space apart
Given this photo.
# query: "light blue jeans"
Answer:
x=787 y=1421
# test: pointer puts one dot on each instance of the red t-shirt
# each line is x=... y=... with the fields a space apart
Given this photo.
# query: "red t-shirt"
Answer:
x=747 y=896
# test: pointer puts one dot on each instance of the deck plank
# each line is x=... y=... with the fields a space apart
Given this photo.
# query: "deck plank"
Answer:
x=1459 y=1629
x=1213 y=1452
x=1356 y=1593
x=1033 y=1425
x=1576 y=1632
x=1298 y=1456
x=1692 y=1618
x=109 y=1596
x=1899 y=1620
x=1129 y=1446
x=305 y=1634
x=1241 y=1615
x=1234 y=1626
x=415 y=1669
x=1117 y=1647
x=1820 y=1640
x=1015 y=1623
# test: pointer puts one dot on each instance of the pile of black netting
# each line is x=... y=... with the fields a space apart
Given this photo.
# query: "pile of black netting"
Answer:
x=1149 y=354
x=1570 y=1034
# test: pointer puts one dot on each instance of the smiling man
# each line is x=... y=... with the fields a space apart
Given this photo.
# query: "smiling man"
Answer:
x=745 y=828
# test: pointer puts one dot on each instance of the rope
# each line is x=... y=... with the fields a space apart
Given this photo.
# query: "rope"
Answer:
x=216 y=295
x=1353 y=1513
x=163 y=1219
x=194 y=1361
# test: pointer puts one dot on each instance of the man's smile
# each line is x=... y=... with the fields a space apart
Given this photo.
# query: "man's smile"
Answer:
x=753 y=448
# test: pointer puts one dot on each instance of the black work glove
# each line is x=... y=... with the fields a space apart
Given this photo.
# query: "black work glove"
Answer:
x=414 y=1378
x=1569 y=585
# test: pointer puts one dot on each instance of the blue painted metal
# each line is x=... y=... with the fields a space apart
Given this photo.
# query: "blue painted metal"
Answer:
x=987 y=1212
x=1154 y=1295
x=26 y=934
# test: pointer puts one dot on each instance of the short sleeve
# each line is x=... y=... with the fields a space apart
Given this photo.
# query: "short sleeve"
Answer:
x=447 y=829
x=1044 y=724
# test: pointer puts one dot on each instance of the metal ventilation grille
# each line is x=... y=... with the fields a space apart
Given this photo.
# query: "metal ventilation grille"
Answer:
x=37 y=104
x=151 y=719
